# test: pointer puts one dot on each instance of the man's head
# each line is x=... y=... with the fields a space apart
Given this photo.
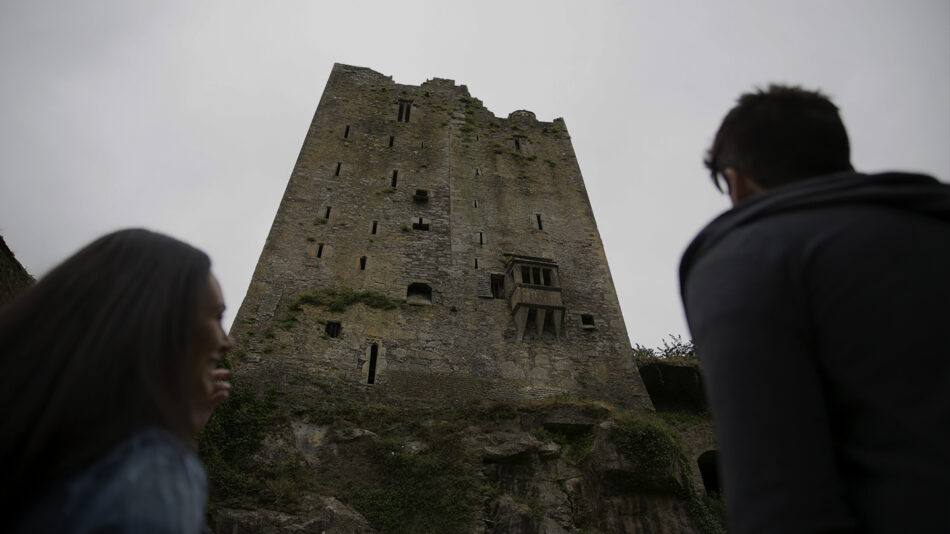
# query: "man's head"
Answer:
x=775 y=137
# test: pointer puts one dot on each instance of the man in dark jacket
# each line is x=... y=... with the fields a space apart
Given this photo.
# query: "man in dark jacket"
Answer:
x=820 y=306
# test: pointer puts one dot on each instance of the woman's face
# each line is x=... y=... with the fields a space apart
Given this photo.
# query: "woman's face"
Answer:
x=211 y=341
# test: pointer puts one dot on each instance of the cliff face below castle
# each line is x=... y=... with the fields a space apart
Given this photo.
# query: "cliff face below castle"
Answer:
x=322 y=460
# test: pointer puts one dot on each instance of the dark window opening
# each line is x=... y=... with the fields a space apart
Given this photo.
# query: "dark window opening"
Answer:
x=709 y=470
x=363 y=263
x=526 y=274
x=373 y=231
x=476 y=263
x=391 y=139
x=474 y=203
x=481 y=238
x=476 y=137
x=477 y=171
x=373 y=355
x=422 y=144
x=420 y=225
x=326 y=214
x=538 y=215
x=320 y=250
x=395 y=175
x=405 y=106
x=337 y=169
x=346 y=133
x=517 y=144
x=546 y=275
x=419 y=293
x=536 y=276
x=587 y=320
x=333 y=328
x=498 y=286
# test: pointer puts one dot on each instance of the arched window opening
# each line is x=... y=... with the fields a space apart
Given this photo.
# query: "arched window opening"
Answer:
x=419 y=294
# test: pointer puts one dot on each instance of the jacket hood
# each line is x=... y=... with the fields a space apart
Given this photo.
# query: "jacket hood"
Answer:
x=910 y=192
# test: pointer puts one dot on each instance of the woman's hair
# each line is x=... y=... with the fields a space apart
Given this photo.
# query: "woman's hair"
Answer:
x=97 y=350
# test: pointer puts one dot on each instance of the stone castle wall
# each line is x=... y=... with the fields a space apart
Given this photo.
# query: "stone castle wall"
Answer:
x=493 y=188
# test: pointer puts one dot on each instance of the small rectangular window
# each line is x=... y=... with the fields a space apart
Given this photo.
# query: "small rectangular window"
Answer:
x=476 y=263
x=371 y=372
x=536 y=276
x=498 y=286
x=481 y=238
x=525 y=274
x=546 y=275
x=538 y=216
x=363 y=263
x=420 y=225
x=391 y=139
x=477 y=171
x=474 y=203
x=326 y=214
x=405 y=107
x=517 y=144
x=320 y=250
x=587 y=320
x=373 y=231
x=337 y=169
x=333 y=328
x=346 y=133
x=395 y=175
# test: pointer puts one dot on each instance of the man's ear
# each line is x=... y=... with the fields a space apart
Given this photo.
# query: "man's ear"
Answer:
x=740 y=186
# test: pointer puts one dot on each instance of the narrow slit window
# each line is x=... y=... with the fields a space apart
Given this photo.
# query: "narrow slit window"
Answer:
x=517 y=144
x=373 y=356
x=481 y=238
x=333 y=329
x=320 y=250
x=422 y=144
x=477 y=171
x=337 y=173
x=405 y=107
x=474 y=203
x=395 y=176
x=476 y=263
x=375 y=224
x=346 y=133
x=538 y=217
x=391 y=139
x=476 y=137
x=546 y=275
x=498 y=286
x=363 y=263
x=326 y=214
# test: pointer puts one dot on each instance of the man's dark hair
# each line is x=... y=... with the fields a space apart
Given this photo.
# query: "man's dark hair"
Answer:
x=100 y=348
x=780 y=135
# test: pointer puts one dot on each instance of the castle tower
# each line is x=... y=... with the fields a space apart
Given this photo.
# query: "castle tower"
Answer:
x=426 y=249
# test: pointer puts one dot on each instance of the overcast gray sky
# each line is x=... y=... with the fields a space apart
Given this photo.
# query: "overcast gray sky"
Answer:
x=186 y=117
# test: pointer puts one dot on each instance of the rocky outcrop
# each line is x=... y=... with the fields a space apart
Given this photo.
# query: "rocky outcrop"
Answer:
x=322 y=515
x=560 y=467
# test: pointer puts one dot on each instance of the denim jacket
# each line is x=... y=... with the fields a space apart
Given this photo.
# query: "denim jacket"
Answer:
x=150 y=483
